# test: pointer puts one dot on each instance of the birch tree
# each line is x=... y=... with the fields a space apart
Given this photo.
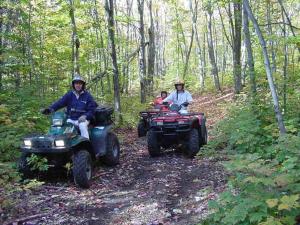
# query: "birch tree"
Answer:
x=262 y=41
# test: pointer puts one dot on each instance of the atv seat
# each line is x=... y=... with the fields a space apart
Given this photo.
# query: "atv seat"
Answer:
x=103 y=115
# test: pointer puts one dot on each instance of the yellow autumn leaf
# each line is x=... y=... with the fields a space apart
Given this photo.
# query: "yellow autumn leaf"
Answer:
x=283 y=180
x=283 y=206
x=7 y=122
x=271 y=221
x=289 y=199
x=272 y=202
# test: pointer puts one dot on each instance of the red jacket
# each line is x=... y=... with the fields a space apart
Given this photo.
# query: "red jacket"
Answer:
x=159 y=102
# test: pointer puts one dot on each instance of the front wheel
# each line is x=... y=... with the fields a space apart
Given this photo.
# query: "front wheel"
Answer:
x=153 y=145
x=23 y=166
x=82 y=168
x=193 y=144
x=142 y=131
x=112 y=156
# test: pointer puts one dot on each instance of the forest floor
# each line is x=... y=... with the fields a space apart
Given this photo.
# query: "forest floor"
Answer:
x=170 y=189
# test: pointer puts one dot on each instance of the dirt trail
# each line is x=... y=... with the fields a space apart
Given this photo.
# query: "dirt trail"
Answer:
x=170 y=189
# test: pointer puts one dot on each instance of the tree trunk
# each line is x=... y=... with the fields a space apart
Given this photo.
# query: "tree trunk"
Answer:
x=151 y=52
x=237 y=46
x=250 y=59
x=270 y=32
x=285 y=65
x=211 y=51
x=204 y=55
x=125 y=65
x=268 y=68
x=198 y=43
x=1 y=47
x=187 y=57
x=142 y=61
x=75 y=39
x=28 y=43
x=179 y=30
x=109 y=8
x=290 y=24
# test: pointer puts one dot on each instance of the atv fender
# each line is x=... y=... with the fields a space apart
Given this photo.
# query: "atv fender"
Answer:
x=99 y=139
x=82 y=143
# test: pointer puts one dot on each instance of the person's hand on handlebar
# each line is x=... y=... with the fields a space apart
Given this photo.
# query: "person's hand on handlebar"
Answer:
x=46 y=111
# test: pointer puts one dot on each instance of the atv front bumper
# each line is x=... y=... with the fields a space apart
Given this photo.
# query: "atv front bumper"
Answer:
x=45 y=150
x=41 y=144
x=172 y=129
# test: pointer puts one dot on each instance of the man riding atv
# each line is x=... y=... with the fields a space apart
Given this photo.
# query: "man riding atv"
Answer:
x=80 y=106
x=63 y=144
x=180 y=96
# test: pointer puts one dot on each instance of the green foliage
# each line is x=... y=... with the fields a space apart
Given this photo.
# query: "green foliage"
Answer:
x=131 y=107
x=264 y=184
x=242 y=131
x=20 y=116
x=32 y=184
x=38 y=163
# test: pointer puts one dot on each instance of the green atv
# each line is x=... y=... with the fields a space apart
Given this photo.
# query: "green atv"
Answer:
x=63 y=144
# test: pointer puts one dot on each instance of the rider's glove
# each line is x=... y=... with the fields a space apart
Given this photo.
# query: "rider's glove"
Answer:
x=185 y=104
x=46 y=111
x=82 y=119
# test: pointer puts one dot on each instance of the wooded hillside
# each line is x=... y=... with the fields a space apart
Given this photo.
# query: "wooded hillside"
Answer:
x=130 y=50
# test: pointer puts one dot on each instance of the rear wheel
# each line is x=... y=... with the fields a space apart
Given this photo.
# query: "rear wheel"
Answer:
x=142 y=131
x=23 y=166
x=82 y=168
x=112 y=155
x=153 y=145
x=193 y=146
x=203 y=134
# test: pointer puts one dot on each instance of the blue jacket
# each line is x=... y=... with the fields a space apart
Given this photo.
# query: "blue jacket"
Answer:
x=77 y=104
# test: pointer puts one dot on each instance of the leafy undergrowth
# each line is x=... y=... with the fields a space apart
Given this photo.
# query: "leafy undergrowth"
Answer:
x=19 y=116
x=264 y=185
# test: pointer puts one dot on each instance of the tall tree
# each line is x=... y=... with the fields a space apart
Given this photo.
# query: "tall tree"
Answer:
x=290 y=24
x=75 y=39
x=237 y=6
x=151 y=52
x=267 y=67
x=109 y=8
x=250 y=59
x=285 y=64
x=1 y=46
x=142 y=61
x=211 y=51
x=29 y=42
x=270 y=33
x=194 y=11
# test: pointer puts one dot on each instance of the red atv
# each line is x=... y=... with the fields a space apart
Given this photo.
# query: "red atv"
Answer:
x=173 y=129
x=146 y=116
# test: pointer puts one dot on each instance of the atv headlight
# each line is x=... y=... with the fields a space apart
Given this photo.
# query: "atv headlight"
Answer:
x=182 y=121
x=59 y=143
x=160 y=123
x=57 y=122
x=27 y=143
